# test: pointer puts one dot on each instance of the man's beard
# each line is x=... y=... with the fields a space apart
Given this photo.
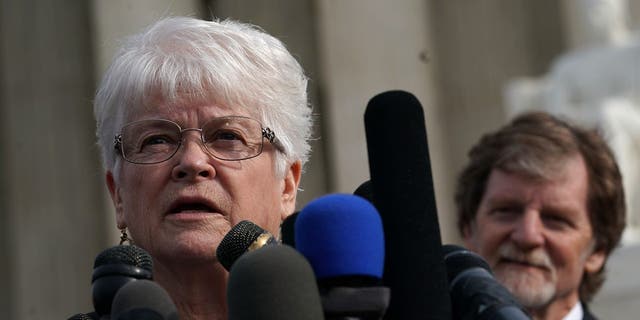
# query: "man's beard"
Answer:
x=532 y=289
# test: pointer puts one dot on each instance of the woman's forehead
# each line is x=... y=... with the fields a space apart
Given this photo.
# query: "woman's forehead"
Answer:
x=186 y=108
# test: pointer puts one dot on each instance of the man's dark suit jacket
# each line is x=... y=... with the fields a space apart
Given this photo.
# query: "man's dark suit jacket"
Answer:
x=587 y=313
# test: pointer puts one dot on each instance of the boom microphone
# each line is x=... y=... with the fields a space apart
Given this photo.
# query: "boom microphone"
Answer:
x=143 y=300
x=115 y=267
x=243 y=237
x=341 y=237
x=475 y=293
x=273 y=283
x=403 y=194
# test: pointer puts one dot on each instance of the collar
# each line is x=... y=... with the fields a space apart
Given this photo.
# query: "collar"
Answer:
x=576 y=313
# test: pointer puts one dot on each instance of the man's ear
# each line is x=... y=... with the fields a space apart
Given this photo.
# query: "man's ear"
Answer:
x=290 y=189
x=114 y=191
x=595 y=262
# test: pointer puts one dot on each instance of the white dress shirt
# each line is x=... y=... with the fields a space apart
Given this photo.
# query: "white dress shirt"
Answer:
x=576 y=312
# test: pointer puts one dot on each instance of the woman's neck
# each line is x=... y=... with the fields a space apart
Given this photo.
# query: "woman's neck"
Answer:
x=198 y=290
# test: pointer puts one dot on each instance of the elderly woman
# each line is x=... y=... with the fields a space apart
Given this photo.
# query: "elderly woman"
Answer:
x=201 y=125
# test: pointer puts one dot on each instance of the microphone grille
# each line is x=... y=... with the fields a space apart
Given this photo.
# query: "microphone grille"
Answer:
x=237 y=242
x=125 y=254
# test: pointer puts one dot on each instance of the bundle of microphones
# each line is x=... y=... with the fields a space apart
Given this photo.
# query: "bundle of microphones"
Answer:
x=372 y=255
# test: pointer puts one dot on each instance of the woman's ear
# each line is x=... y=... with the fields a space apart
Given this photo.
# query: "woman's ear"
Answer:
x=290 y=189
x=114 y=191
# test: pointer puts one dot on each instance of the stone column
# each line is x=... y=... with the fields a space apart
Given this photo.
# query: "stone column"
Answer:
x=365 y=48
x=52 y=212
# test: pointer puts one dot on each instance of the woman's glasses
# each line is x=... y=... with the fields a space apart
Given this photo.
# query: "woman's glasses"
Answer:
x=225 y=138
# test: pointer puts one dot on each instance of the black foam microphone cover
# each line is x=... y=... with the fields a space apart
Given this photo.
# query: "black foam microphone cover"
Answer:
x=403 y=193
x=143 y=300
x=365 y=191
x=243 y=237
x=287 y=230
x=273 y=283
x=475 y=293
x=115 y=267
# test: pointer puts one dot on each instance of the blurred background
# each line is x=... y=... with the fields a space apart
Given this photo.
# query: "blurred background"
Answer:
x=472 y=64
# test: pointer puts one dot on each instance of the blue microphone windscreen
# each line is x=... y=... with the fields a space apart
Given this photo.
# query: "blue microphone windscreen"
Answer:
x=341 y=235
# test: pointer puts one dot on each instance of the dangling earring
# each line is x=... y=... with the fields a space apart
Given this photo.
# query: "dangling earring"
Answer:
x=123 y=236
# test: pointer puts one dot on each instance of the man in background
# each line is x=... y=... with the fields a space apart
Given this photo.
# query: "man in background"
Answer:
x=542 y=201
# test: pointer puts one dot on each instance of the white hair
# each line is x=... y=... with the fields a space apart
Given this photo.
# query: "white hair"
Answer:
x=228 y=62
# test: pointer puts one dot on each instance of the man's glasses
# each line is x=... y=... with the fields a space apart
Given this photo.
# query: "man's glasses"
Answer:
x=225 y=138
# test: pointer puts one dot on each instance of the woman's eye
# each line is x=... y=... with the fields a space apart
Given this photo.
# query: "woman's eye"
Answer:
x=226 y=135
x=153 y=143
x=155 y=140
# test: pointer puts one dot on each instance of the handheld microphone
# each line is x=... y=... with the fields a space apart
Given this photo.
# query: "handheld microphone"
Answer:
x=115 y=267
x=342 y=238
x=403 y=194
x=475 y=293
x=273 y=283
x=143 y=300
x=243 y=237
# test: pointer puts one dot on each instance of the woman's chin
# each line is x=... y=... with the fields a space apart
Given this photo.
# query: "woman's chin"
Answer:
x=185 y=249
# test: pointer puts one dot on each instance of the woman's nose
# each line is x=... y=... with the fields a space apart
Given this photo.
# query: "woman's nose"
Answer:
x=194 y=161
